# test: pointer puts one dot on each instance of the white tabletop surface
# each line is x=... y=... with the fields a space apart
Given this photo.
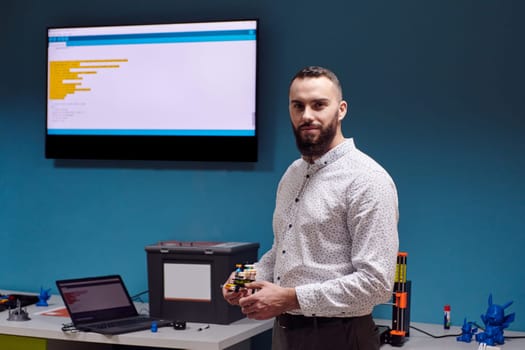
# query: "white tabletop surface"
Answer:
x=216 y=337
x=418 y=340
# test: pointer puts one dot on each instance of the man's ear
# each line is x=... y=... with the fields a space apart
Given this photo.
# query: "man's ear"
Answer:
x=343 y=106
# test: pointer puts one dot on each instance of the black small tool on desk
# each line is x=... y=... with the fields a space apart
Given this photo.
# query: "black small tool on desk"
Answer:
x=10 y=301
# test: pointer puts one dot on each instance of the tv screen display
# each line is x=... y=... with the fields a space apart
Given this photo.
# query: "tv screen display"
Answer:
x=177 y=91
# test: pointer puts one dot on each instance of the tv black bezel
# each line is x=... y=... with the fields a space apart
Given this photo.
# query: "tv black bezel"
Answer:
x=166 y=147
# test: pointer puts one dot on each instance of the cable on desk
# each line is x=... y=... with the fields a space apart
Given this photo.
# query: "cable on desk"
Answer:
x=457 y=335
x=69 y=328
x=144 y=308
x=136 y=297
x=435 y=336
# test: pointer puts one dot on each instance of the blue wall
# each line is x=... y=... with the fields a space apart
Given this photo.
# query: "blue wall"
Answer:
x=436 y=94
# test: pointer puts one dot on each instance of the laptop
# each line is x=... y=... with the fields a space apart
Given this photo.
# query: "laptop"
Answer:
x=103 y=305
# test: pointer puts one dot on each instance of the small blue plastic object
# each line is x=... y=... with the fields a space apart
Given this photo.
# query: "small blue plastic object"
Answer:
x=467 y=332
x=154 y=327
x=495 y=321
x=43 y=297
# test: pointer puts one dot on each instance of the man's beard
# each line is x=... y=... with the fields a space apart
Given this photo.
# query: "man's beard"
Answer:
x=315 y=146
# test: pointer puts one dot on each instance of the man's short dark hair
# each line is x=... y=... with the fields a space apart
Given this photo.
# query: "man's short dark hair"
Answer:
x=316 y=72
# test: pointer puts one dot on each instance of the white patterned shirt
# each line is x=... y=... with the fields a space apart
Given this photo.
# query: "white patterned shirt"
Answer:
x=335 y=234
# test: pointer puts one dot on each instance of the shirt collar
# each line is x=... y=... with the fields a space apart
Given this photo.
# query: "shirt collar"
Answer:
x=332 y=155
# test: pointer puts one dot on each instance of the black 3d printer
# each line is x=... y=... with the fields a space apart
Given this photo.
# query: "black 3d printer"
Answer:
x=185 y=278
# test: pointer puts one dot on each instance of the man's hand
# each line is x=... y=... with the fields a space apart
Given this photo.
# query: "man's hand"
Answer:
x=269 y=301
x=232 y=297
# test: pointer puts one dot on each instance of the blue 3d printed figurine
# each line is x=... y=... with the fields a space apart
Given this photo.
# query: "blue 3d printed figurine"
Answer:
x=467 y=332
x=43 y=297
x=495 y=321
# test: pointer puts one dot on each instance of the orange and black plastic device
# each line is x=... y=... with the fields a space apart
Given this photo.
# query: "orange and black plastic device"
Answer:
x=401 y=304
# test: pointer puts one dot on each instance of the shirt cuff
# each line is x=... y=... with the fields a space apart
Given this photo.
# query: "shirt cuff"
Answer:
x=308 y=298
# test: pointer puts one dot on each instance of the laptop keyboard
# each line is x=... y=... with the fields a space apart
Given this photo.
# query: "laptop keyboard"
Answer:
x=120 y=323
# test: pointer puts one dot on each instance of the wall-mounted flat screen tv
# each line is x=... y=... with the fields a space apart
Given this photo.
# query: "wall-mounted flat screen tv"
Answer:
x=177 y=91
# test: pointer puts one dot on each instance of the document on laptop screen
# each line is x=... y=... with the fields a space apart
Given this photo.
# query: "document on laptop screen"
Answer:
x=90 y=296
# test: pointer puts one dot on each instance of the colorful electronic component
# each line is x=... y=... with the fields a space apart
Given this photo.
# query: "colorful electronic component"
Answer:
x=244 y=273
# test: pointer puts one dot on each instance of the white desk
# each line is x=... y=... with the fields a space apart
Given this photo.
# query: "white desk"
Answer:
x=216 y=337
x=418 y=340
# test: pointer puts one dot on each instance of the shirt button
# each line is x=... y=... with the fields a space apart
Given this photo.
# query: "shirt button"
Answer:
x=296 y=200
x=289 y=225
x=284 y=251
x=278 y=278
x=307 y=176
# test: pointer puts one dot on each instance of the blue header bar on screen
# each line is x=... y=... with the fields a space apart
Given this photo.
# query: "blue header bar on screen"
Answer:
x=156 y=38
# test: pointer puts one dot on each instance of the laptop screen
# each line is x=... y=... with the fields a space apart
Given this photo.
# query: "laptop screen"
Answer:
x=96 y=299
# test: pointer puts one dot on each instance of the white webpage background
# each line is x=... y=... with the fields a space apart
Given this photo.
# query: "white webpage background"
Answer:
x=198 y=85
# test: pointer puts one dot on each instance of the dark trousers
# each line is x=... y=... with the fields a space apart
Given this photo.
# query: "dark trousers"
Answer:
x=314 y=333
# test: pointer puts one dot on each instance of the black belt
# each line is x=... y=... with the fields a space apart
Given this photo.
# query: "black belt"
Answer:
x=299 y=321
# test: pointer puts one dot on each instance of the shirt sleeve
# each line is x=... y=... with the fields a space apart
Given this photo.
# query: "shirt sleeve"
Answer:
x=372 y=217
